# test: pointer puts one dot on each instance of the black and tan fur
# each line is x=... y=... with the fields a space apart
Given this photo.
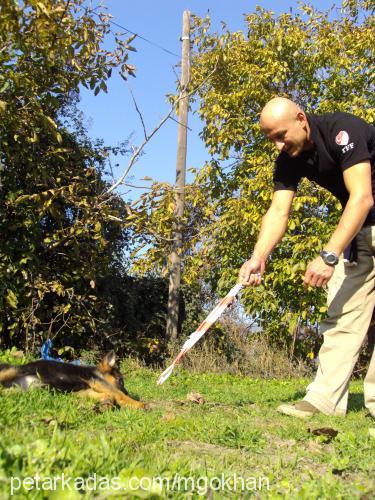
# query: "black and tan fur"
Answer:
x=103 y=382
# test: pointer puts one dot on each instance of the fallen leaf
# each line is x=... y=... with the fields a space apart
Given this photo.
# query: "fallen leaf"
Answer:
x=327 y=432
x=168 y=417
x=195 y=397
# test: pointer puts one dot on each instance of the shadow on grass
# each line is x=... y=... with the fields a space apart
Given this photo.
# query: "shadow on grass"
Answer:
x=355 y=402
x=298 y=395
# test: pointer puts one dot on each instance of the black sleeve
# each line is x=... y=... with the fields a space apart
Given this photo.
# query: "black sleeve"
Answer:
x=350 y=141
x=285 y=175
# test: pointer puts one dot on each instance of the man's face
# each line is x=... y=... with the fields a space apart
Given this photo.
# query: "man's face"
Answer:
x=289 y=134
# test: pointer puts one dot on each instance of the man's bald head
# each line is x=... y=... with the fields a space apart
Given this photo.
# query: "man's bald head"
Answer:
x=285 y=123
x=276 y=108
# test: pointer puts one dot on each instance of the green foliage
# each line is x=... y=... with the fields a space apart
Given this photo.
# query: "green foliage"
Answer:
x=137 y=322
x=323 y=64
x=58 y=229
x=324 y=61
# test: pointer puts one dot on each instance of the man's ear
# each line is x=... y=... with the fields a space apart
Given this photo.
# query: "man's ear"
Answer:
x=301 y=117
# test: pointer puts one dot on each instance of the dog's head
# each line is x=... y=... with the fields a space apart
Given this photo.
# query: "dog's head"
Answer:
x=110 y=371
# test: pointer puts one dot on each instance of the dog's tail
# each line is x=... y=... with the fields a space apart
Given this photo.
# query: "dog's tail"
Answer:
x=7 y=373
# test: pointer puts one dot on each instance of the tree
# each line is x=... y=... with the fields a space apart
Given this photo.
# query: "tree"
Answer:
x=324 y=61
x=58 y=231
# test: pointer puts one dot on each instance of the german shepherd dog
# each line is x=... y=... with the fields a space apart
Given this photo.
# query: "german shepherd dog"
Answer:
x=103 y=382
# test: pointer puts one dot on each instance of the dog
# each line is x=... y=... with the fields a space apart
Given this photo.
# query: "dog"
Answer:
x=103 y=382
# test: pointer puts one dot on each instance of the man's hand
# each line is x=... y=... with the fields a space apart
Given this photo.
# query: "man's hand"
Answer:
x=251 y=272
x=318 y=273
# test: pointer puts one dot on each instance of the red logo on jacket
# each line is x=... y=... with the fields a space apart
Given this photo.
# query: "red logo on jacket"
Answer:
x=342 y=138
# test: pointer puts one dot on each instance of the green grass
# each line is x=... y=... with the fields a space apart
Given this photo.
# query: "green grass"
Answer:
x=236 y=432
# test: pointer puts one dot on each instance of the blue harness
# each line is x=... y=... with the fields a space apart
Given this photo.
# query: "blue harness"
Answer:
x=45 y=350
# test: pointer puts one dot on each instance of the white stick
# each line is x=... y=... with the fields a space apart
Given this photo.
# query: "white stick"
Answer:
x=201 y=330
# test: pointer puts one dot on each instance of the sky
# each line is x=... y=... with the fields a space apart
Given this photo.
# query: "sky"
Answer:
x=113 y=116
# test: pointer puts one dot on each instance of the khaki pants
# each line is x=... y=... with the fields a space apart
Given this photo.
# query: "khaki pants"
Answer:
x=351 y=301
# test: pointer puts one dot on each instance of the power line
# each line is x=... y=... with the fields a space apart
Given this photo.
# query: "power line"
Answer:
x=143 y=38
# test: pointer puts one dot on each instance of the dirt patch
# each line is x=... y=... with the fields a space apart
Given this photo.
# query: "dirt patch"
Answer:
x=199 y=448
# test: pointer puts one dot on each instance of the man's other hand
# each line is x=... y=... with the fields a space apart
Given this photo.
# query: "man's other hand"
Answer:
x=318 y=273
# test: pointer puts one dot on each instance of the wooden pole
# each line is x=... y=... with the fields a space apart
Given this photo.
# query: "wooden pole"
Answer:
x=175 y=257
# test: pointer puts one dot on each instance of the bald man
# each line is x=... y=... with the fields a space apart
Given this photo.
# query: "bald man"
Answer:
x=337 y=151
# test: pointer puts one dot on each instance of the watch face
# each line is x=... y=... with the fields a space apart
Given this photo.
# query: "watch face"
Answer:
x=331 y=259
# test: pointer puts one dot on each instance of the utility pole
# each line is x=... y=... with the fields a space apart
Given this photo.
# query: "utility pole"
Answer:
x=175 y=257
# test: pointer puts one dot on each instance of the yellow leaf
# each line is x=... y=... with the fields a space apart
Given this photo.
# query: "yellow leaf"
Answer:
x=42 y=7
x=52 y=122
x=11 y=298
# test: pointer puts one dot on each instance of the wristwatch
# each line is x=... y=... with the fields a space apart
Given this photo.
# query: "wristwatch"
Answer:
x=329 y=258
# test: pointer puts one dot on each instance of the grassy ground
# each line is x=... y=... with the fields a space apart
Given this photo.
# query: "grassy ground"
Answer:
x=234 y=439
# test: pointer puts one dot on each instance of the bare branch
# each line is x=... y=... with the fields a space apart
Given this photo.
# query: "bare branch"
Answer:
x=65 y=322
x=138 y=111
x=148 y=138
x=137 y=153
x=136 y=187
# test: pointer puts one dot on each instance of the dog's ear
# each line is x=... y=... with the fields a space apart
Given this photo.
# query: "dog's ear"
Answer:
x=111 y=359
x=108 y=362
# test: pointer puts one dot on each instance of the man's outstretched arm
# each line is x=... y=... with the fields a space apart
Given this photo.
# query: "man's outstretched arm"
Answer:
x=273 y=228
